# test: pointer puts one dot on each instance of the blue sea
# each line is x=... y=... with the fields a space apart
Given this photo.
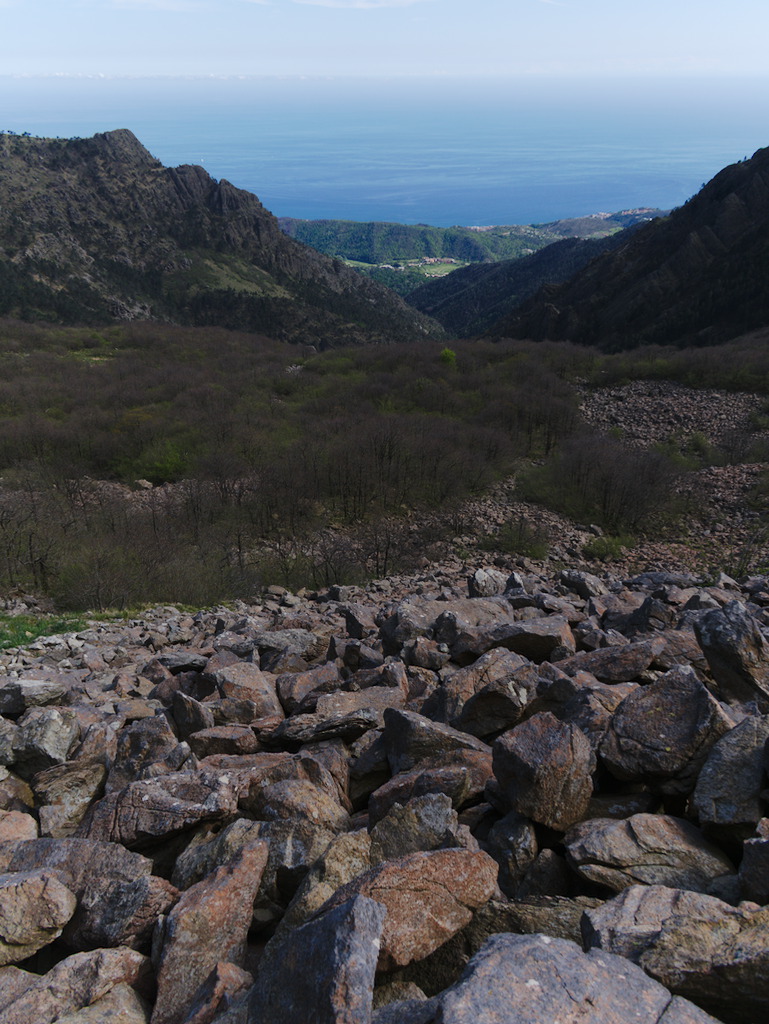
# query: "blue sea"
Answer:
x=435 y=151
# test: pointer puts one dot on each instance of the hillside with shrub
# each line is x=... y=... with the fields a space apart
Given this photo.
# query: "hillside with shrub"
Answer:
x=97 y=231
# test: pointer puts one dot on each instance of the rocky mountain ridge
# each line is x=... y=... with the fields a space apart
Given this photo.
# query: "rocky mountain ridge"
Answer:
x=558 y=782
x=97 y=230
x=695 y=277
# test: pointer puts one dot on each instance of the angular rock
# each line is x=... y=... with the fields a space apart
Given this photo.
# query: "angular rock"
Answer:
x=153 y=809
x=729 y=795
x=208 y=924
x=462 y=776
x=16 y=695
x=653 y=849
x=737 y=653
x=664 y=731
x=620 y=664
x=512 y=842
x=534 y=979
x=697 y=946
x=246 y=681
x=544 y=769
x=487 y=583
x=34 y=907
x=754 y=866
x=190 y=715
x=121 y=1005
x=425 y=823
x=80 y=980
x=411 y=739
x=428 y=896
x=538 y=639
x=46 y=736
x=341 y=945
x=223 y=739
x=294 y=687
x=66 y=792
x=218 y=993
x=141 y=746
x=496 y=666
x=17 y=825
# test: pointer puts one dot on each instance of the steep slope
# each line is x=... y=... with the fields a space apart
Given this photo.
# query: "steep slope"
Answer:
x=694 y=278
x=470 y=300
x=96 y=230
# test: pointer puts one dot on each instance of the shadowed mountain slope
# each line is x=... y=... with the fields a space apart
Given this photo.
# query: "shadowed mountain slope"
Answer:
x=696 y=277
x=97 y=230
x=470 y=300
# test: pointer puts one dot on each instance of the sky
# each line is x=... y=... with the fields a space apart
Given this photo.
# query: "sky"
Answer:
x=652 y=38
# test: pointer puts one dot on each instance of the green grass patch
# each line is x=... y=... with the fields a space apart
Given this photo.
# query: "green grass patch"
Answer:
x=21 y=630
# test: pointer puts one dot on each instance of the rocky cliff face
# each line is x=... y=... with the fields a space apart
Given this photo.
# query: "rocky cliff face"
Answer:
x=94 y=230
x=696 y=277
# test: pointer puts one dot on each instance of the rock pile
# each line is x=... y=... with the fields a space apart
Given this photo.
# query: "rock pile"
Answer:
x=545 y=801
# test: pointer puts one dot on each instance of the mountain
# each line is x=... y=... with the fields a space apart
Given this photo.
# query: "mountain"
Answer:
x=696 y=277
x=472 y=299
x=97 y=230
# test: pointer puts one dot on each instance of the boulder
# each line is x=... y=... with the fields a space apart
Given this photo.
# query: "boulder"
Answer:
x=697 y=946
x=410 y=739
x=737 y=653
x=34 y=907
x=76 y=982
x=653 y=849
x=729 y=797
x=428 y=896
x=65 y=793
x=208 y=924
x=621 y=664
x=45 y=737
x=496 y=666
x=341 y=944
x=662 y=733
x=246 y=681
x=535 y=979
x=544 y=769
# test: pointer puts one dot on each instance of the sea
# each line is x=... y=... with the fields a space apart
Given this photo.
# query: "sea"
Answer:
x=441 y=150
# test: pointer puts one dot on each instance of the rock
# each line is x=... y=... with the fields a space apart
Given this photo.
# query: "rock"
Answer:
x=121 y=1005
x=653 y=849
x=34 y=907
x=224 y=739
x=663 y=732
x=512 y=842
x=737 y=653
x=428 y=896
x=46 y=737
x=154 y=809
x=534 y=979
x=17 y=825
x=620 y=664
x=487 y=583
x=425 y=823
x=16 y=695
x=208 y=924
x=66 y=792
x=190 y=715
x=582 y=583
x=141 y=746
x=536 y=639
x=497 y=665
x=342 y=945
x=117 y=898
x=411 y=739
x=246 y=681
x=218 y=993
x=347 y=856
x=544 y=769
x=462 y=776
x=754 y=867
x=80 y=980
x=698 y=947
x=499 y=705
x=294 y=687
x=729 y=795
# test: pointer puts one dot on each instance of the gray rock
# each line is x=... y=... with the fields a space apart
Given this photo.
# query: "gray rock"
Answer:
x=697 y=946
x=663 y=732
x=411 y=739
x=653 y=849
x=46 y=736
x=512 y=842
x=425 y=823
x=737 y=653
x=544 y=769
x=342 y=946
x=16 y=695
x=34 y=907
x=729 y=795
x=487 y=583
x=535 y=979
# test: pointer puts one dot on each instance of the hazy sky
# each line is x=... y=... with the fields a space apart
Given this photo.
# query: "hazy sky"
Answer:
x=384 y=37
